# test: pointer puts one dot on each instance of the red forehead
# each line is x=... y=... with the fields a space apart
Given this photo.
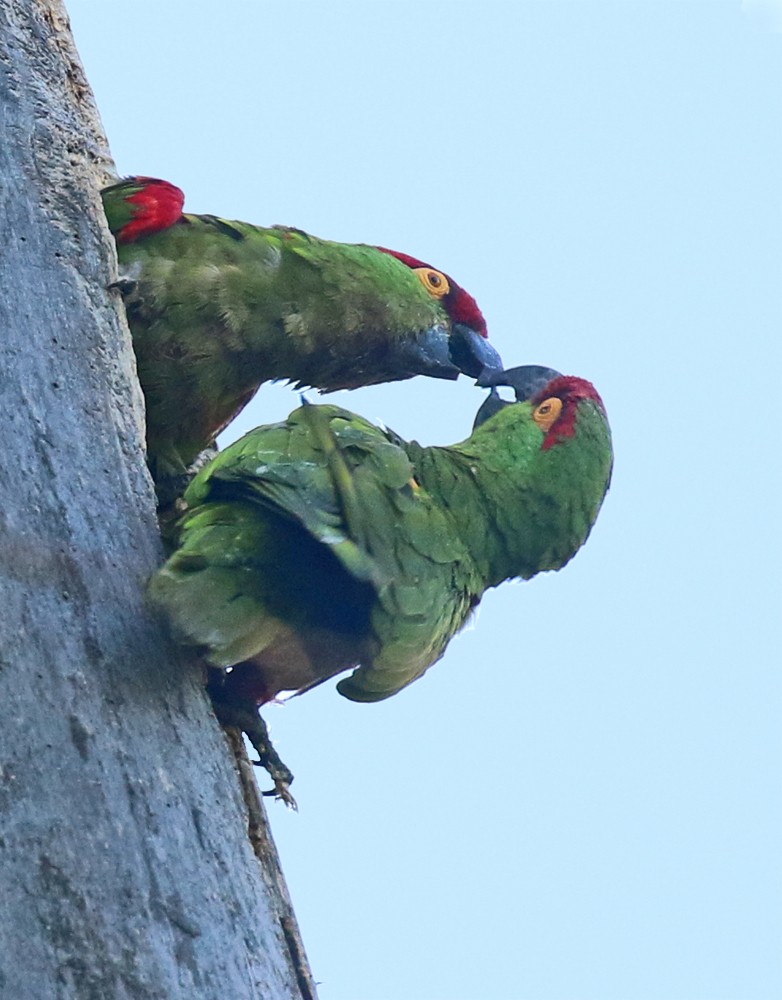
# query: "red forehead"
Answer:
x=460 y=305
x=572 y=391
x=405 y=258
x=569 y=389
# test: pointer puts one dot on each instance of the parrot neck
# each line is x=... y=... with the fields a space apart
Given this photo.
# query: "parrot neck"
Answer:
x=520 y=508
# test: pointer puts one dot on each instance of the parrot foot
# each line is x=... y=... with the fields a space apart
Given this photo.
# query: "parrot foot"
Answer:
x=269 y=759
x=244 y=715
x=281 y=790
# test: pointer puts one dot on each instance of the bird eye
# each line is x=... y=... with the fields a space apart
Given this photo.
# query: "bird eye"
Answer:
x=433 y=281
x=546 y=413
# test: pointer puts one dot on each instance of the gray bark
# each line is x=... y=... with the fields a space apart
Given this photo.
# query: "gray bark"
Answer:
x=126 y=869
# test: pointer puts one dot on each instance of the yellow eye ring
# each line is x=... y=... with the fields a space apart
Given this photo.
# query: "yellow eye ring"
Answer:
x=435 y=282
x=546 y=413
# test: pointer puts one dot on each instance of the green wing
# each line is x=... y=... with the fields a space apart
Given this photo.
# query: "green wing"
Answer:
x=430 y=589
x=331 y=476
x=426 y=580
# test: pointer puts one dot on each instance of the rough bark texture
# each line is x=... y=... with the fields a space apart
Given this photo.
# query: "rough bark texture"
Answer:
x=126 y=869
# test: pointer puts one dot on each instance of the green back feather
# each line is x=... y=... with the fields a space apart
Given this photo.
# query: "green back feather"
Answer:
x=414 y=536
x=217 y=308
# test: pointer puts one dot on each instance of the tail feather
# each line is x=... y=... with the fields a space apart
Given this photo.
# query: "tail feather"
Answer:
x=209 y=589
x=207 y=610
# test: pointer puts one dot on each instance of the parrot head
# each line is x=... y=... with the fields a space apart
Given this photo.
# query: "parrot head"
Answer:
x=465 y=348
x=540 y=385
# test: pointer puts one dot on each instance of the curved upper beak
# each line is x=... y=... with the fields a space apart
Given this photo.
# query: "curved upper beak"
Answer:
x=473 y=354
x=525 y=380
x=441 y=353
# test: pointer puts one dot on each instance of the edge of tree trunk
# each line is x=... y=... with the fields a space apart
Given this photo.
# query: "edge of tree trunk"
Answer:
x=126 y=869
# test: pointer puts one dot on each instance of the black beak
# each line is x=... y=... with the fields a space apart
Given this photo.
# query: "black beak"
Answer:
x=491 y=405
x=525 y=380
x=440 y=353
x=429 y=354
x=473 y=354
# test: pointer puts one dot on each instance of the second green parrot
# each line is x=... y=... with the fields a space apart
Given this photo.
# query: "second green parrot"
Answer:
x=324 y=543
x=216 y=308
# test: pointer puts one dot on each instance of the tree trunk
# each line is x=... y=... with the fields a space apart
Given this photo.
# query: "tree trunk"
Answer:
x=126 y=869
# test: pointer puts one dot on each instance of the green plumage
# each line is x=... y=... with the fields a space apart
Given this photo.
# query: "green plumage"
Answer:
x=324 y=543
x=216 y=308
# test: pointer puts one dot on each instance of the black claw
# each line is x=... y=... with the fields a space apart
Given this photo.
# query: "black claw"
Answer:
x=244 y=715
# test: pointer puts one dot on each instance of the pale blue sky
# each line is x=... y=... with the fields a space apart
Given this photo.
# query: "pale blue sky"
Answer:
x=582 y=801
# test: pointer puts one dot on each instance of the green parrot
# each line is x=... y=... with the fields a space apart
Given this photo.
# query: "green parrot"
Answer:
x=216 y=308
x=325 y=543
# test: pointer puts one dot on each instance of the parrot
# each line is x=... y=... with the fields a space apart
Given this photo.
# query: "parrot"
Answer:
x=217 y=307
x=325 y=543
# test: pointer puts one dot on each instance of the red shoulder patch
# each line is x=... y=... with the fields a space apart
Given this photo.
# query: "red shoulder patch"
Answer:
x=156 y=205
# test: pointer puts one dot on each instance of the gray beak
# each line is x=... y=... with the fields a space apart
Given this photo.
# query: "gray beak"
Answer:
x=473 y=354
x=443 y=354
x=525 y=380
x=491 y=405
x=429 y=354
